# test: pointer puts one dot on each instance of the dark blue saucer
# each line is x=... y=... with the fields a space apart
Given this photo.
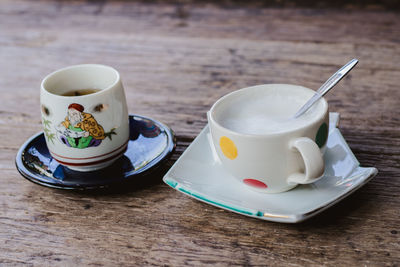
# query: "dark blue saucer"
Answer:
x=150 y=144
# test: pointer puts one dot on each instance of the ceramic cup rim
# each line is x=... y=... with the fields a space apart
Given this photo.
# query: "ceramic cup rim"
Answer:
x=65 y=69
x=319 y=115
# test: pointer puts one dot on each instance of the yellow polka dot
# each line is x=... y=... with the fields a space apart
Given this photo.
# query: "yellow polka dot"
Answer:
x=228 y=147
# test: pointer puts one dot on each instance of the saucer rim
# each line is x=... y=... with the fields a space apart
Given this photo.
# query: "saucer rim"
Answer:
x=148 y=168
x=275 y=217
x=367 y=173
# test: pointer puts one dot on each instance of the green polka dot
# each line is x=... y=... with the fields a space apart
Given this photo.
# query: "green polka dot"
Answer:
x=322 y=135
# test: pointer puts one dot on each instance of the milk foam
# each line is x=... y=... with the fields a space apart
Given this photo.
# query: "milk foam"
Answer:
x=269 y=112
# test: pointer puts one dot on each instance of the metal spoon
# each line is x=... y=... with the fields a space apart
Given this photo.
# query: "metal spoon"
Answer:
x=328 y=85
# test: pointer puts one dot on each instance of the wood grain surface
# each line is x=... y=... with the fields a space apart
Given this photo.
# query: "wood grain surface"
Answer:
x=176 y=59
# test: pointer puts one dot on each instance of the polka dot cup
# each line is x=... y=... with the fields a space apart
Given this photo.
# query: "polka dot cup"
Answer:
x=270 y=159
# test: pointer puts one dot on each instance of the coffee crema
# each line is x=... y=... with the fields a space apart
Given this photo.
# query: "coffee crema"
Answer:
x=80 y=92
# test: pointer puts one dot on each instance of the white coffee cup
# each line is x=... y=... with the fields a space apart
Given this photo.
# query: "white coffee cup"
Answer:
x=90 y=131
x=260 y=144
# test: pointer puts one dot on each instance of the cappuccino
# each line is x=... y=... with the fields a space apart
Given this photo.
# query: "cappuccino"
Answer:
x=258 y=141
x=271 y=111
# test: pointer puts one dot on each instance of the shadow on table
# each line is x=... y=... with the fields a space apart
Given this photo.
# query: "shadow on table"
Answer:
x=341 y=212
x=143 y=182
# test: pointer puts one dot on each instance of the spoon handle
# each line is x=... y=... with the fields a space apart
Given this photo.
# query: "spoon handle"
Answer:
x=331 y=82
x=335 y=78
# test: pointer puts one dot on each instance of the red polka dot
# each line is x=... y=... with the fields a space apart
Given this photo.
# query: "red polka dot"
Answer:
x=255 y=183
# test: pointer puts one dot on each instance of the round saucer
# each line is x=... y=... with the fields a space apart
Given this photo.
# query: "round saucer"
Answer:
x=151 y=143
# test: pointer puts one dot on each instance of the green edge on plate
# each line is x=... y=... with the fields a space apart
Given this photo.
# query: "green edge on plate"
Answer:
x=174 y=185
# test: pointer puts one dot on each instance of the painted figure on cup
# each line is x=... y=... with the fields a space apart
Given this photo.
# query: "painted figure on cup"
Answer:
x=80 y=129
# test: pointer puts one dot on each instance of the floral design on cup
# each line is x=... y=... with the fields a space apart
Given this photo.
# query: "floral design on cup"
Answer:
x=46 y=128
x=80 y=129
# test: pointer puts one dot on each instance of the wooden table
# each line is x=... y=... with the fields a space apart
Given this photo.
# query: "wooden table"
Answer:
x=176 y=59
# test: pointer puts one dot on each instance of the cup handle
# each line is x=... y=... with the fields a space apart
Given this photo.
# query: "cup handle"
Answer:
x=313 y=161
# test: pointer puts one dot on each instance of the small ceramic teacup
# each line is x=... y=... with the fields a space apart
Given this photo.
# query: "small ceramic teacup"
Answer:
x=260 y=144
x=84 y=116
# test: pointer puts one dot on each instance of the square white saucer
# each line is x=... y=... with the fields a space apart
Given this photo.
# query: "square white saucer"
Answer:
x=199 y=174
